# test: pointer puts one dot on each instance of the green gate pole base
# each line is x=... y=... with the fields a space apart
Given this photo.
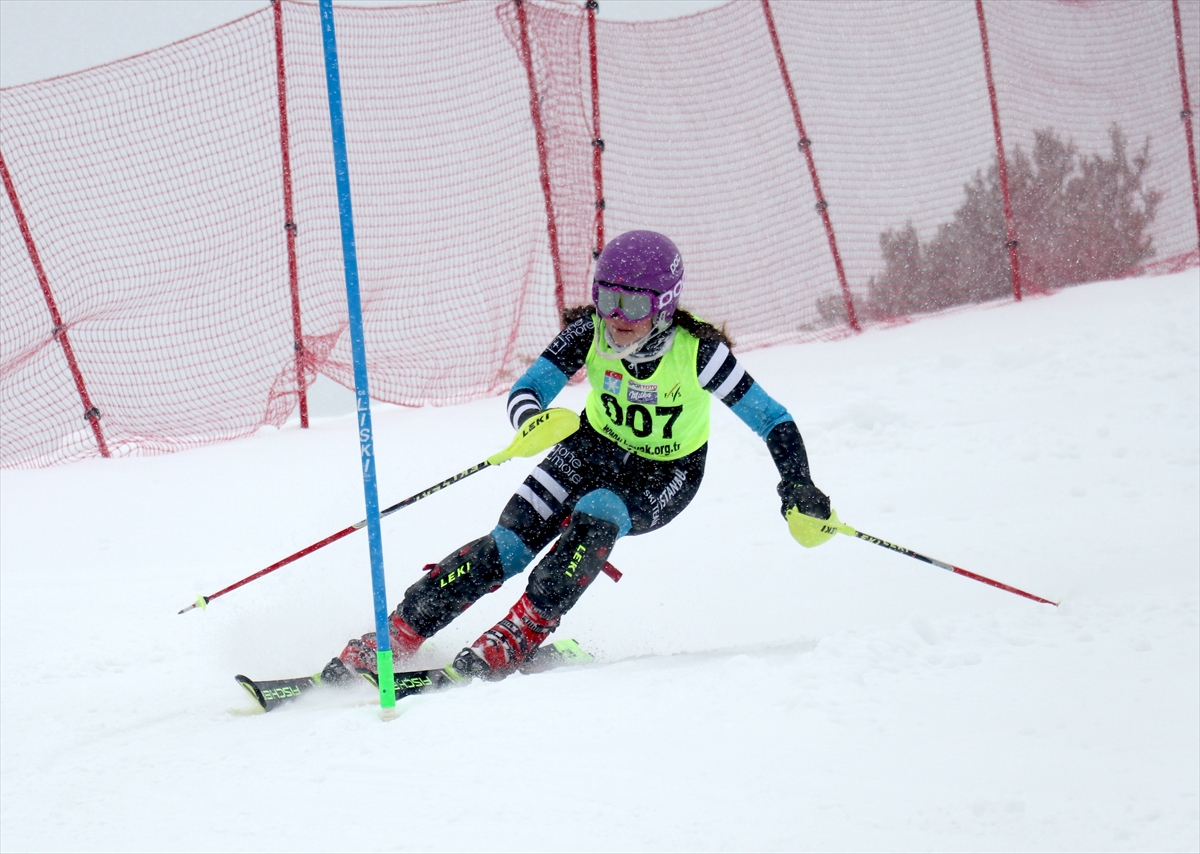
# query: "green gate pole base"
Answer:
x=387 y=681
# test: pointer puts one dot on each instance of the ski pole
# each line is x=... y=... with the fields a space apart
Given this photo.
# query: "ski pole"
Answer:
x=958 y=570
x=540 y=432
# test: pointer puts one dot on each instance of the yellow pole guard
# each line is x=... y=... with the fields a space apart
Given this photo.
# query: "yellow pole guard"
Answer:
x=811 y=532
x=539 y=433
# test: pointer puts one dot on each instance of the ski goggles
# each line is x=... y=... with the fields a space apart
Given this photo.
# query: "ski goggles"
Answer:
x=613 y=301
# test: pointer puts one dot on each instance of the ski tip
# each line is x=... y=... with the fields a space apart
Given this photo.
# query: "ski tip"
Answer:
x=571 y=651
x=455 y=677
x=558 y=654
x=274 y=692
x=253 y=690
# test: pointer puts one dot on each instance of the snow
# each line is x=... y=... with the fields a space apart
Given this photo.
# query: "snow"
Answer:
x=751 y=695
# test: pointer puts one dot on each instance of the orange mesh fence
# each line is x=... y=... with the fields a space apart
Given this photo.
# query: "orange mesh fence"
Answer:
x=150 y=302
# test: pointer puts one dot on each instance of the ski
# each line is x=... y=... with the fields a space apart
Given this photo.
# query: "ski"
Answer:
x=271 y=694
x=548 y=657
x=421 y=681
x=557 y=654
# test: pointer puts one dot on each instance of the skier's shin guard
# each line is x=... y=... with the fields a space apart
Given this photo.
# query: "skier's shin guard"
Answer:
x=452 y=586
x=440 y=595
x=554 y=587
x=563 y=574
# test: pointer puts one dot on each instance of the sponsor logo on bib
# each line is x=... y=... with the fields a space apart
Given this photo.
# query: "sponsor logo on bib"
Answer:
x=642 y=392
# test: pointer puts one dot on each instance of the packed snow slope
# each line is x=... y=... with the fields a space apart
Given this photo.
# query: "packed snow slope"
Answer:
x=751 y=695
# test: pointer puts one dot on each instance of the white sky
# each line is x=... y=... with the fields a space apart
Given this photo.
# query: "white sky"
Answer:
x=46 y=38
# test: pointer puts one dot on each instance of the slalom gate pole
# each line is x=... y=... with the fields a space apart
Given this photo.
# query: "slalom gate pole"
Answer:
x=843 y=528
x=536 y=435
x=387 y=684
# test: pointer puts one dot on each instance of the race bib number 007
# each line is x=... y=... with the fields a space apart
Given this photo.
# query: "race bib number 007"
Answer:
x=639 y=419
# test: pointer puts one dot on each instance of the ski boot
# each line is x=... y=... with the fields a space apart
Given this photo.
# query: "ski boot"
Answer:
x=555 y=585
x=445 y=590
x=505 y=646
x=360 y=654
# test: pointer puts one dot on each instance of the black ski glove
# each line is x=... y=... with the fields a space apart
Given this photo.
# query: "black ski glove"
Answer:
x=805 y=497
x=795 y=488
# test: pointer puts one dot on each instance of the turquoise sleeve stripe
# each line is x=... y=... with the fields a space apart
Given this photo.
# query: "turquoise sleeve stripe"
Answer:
x=760 y=412
x=543 y=379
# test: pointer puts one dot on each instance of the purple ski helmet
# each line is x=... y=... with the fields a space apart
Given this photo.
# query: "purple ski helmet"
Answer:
x=646 y=263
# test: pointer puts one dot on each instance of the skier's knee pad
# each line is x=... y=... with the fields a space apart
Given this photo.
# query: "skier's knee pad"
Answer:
x=556 y=584
x=514 y=554
x=452 y=586
x=607 y=505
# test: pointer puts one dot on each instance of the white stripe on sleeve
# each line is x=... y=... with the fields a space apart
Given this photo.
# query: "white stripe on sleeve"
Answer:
x=522 y=403
x=714 y=365
x=522 y=397
x=519 y=415
x=730 y=382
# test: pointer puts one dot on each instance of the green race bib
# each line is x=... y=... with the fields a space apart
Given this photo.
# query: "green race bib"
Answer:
x=663 y=417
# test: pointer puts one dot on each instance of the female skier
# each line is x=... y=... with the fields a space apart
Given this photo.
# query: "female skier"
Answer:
x=634 y=464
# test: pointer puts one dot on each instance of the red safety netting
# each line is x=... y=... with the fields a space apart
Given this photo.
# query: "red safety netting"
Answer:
x=145 y=199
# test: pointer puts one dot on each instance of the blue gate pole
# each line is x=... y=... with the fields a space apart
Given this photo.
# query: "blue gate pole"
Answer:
x=387 y=685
